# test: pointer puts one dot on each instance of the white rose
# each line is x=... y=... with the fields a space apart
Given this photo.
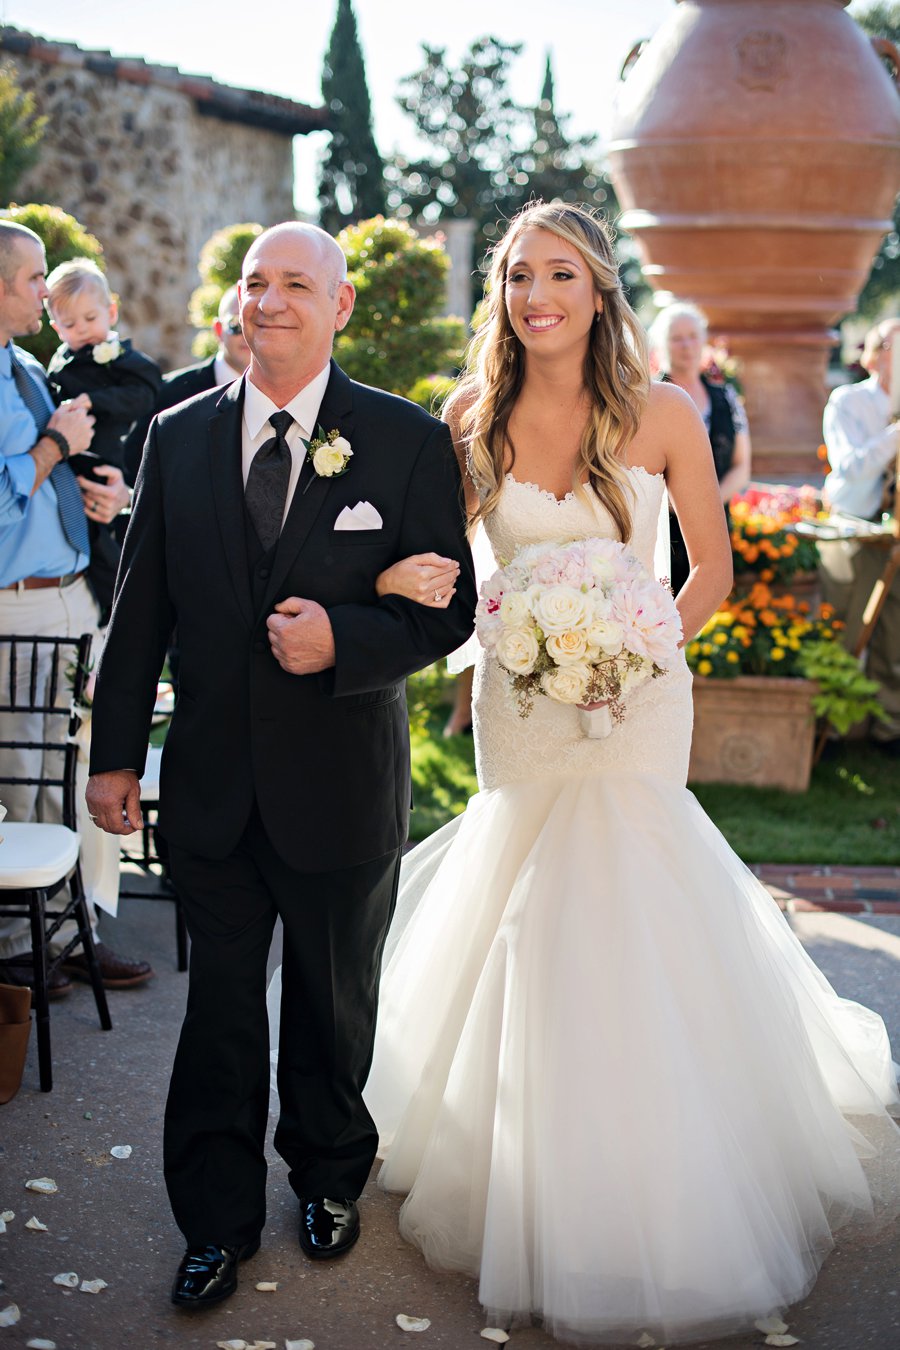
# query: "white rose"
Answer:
x=566 y=684
x=331 y=459
x=566 y=648
x=107 y=351
x=607 y=635
x=514 y=610
x=559 y=609
x=517 y=650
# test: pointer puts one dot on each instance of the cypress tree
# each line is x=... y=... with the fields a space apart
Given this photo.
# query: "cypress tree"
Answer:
x=351 y=181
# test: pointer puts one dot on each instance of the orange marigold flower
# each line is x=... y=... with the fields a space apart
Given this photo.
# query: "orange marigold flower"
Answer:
x=768 y=617
x=767 y=574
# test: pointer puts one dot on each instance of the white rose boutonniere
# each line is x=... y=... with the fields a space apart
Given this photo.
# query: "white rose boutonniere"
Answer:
x=107 y=351
x=330 y=453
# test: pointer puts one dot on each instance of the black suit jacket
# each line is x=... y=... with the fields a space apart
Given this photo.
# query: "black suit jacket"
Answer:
x=177 y=386
x=325 y=756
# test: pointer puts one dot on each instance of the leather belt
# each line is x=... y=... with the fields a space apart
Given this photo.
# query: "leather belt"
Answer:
x=44 y=583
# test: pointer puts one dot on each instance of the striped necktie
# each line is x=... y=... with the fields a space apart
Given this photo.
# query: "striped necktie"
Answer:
x=68 y=493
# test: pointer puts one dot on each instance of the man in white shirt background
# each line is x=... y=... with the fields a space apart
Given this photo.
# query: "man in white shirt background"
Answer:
x=862 y=446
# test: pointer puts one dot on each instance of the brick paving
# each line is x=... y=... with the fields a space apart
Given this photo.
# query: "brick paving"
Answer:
x=802 y=889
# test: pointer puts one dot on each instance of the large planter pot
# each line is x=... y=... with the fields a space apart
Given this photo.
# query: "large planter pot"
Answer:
x=753 y=729
x=756 y=152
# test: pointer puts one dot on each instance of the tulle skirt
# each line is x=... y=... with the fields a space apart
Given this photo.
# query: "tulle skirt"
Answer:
x=611 y=1081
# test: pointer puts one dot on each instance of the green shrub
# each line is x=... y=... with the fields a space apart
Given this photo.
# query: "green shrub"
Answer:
x=431 y=392
x=396 y=336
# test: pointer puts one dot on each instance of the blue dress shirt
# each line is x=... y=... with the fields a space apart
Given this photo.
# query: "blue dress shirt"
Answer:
x=32 y=541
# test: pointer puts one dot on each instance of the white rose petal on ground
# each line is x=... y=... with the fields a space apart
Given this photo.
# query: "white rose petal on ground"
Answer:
x=93 y=1286
x=781 y=1340
x=496 y=1334
x=771 y=1326
x=406 y=1323
x=2 y=1225
x=38 y=1343
x=267 y=1286
x=646 y=1341
x=68 y=1279
x=43 y=1186
x=121 y=1151
x=7 y=1216
x=232 y=1345
x=300 y=1345
x=35 y=1225
x=9 y=1315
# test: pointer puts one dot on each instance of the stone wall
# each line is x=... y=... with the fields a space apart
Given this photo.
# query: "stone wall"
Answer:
x=148 y=174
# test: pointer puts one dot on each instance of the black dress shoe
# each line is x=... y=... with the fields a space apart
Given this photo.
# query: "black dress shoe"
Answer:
x=327 y=1227
x=209 y=1274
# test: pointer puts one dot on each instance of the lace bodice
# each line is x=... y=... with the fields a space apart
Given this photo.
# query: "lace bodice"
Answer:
x=655 y=736
x=526 y=514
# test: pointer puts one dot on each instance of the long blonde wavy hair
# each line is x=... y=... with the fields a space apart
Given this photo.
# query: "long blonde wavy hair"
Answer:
x=616 y=370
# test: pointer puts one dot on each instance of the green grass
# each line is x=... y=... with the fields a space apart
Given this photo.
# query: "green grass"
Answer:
x=850 y=815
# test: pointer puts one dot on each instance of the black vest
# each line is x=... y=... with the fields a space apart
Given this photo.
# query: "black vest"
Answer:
x=259 y=562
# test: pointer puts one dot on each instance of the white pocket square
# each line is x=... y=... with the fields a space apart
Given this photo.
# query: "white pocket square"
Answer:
x=362 y=516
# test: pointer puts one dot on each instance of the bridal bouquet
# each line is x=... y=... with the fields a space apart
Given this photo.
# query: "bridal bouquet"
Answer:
x=581 y=623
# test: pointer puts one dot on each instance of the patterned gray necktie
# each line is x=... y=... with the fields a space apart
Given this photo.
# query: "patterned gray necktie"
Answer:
x=68 y=493
x=267 y=482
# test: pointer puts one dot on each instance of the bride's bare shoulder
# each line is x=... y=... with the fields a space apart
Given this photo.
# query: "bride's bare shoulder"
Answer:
x=669 y=419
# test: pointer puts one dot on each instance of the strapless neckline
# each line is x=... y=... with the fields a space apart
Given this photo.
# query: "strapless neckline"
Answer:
x=570 y=496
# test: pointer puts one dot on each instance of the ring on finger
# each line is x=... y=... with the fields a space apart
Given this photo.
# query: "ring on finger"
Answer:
x=437 y=597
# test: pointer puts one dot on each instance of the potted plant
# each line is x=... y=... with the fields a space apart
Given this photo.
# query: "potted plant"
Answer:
x=765 y=668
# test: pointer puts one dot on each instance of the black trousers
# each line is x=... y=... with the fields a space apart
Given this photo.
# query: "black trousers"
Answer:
x=335 y=924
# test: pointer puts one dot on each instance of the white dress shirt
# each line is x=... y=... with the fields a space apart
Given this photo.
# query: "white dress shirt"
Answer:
x=861 y=445
x=256 y=428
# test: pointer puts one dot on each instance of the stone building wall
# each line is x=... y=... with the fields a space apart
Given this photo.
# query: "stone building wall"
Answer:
x=152 y=177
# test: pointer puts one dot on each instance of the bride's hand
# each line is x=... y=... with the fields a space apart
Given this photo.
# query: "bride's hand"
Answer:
x=426 y=578
x=592 y=707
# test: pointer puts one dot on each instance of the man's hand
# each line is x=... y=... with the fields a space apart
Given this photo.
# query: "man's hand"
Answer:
x=74 y=420
x=104 y=501
x=301 y=637
x=114 y=801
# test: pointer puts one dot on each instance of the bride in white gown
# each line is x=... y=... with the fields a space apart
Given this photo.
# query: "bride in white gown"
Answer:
x=607 y=1077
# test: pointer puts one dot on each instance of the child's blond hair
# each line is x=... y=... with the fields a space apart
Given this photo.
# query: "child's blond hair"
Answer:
x=71 y=278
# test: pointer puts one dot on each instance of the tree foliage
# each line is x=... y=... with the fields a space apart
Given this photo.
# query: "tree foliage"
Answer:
x=351 y=181
x=21 y=131
x=489 y=155
x=882 y=20
x=396 y=334
x=63 y=238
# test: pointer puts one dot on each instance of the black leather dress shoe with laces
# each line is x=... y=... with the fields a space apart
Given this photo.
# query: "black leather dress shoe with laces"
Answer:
x=209 y=1274
x=327 y=1227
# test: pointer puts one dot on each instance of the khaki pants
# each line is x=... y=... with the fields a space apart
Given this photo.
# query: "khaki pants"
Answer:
x=848 y=571
x=55 y=612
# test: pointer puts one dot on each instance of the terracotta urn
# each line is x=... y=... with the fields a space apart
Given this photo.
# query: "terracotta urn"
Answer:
x=756 y=154
x=755 y=729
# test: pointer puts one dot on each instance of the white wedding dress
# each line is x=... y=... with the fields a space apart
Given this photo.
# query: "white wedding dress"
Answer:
x=609 y=1078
